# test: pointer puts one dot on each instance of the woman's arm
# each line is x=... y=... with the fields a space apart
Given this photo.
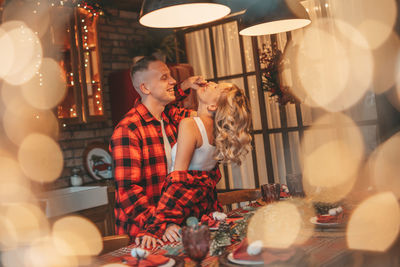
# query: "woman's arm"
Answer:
x=187 y=142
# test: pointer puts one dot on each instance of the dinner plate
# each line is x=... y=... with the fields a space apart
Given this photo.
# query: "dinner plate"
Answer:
x=245 y=262
x=313 y=220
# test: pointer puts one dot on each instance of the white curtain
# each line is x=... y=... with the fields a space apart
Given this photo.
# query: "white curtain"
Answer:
x=228 y=62
x=198 y=51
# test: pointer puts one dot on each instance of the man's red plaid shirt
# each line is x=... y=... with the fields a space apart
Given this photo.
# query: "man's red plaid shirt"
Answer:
x=140 y=165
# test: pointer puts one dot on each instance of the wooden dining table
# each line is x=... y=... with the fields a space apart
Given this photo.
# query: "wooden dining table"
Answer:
x=326 y=247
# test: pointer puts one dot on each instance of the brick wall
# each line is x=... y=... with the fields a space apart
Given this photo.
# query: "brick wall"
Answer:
x=118 y=33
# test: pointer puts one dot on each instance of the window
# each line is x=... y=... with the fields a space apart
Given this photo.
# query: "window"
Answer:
x=76 y=37
x=219 y=53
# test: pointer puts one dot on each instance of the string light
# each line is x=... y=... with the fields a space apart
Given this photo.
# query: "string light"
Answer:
x=91 y=6
x=88 y=11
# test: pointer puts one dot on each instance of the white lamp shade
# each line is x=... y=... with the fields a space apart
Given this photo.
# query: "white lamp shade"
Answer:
x=174 y=14
x=274 y=27
x=273 y=16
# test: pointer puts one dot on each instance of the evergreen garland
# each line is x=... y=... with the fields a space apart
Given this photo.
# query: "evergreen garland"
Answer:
x=227 y=234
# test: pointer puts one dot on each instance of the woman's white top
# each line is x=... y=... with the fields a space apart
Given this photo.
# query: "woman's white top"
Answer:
x=203 y=157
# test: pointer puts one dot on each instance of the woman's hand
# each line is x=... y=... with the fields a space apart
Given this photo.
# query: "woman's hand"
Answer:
x=147 y=241
x=194 y=82
x=172 y=233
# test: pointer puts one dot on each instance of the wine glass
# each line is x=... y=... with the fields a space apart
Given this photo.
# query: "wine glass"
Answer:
x=196 y=241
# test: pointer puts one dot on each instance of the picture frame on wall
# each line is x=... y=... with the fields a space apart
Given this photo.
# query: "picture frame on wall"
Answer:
x=97 y=161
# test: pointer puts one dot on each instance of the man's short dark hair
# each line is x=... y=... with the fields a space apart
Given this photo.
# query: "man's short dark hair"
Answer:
x=142 y=64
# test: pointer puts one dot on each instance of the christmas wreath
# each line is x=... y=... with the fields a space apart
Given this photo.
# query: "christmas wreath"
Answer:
x=271 y=59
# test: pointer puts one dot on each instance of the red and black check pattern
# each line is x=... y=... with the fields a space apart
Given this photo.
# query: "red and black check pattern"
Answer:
x=140 y=165
x=185 y=194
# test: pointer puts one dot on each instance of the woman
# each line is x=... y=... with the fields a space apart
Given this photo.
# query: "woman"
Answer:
x=219 y=133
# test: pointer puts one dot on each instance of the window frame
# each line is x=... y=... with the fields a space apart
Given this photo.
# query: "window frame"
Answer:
x=284 y=129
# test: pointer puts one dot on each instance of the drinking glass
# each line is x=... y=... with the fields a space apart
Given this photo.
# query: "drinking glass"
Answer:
x=270 y=192
x=196 y=241
x=295 y=184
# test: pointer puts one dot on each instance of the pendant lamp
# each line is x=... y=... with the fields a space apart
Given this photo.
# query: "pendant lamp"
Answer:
x=174 y=13
x=273 y=16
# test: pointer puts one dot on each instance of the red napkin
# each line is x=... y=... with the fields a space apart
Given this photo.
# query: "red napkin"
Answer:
x=284 y=194
x=267 y=255
x=151 y=260
x=326 y=218
x=205 y=219
x=241 y=253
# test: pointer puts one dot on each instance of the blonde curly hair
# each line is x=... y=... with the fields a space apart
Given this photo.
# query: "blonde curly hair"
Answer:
x=232 y=126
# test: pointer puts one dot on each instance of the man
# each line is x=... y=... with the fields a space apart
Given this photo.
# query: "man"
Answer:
x=142 y=141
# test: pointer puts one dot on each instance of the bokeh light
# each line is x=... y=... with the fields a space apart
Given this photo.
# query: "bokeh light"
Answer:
x=35 y=15
x=20 y=119
x=40 y=158
x=306 y=211
x=8 y=234
x=385 y=57
x=394 y=95
x=28 y=221
x=333 y=151
x=10 y=94
x=385 y=167
x=277 y=225
x=13 y=258
x=47 y=88
x=6 y=53
x=373 y=19
x=75 y=235
x=374 y=224
x=43 y=253
x=13 y=184
x=27 y=52
x=334 y=71
x=10 y=170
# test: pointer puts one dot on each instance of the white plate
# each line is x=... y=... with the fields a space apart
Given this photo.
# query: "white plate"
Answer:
x=98 y=161
x=246 y=262
x=313 y=220
x=169 y=263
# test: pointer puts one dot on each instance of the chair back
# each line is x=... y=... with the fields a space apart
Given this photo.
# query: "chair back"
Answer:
x=114 y=242
x=227 y=199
